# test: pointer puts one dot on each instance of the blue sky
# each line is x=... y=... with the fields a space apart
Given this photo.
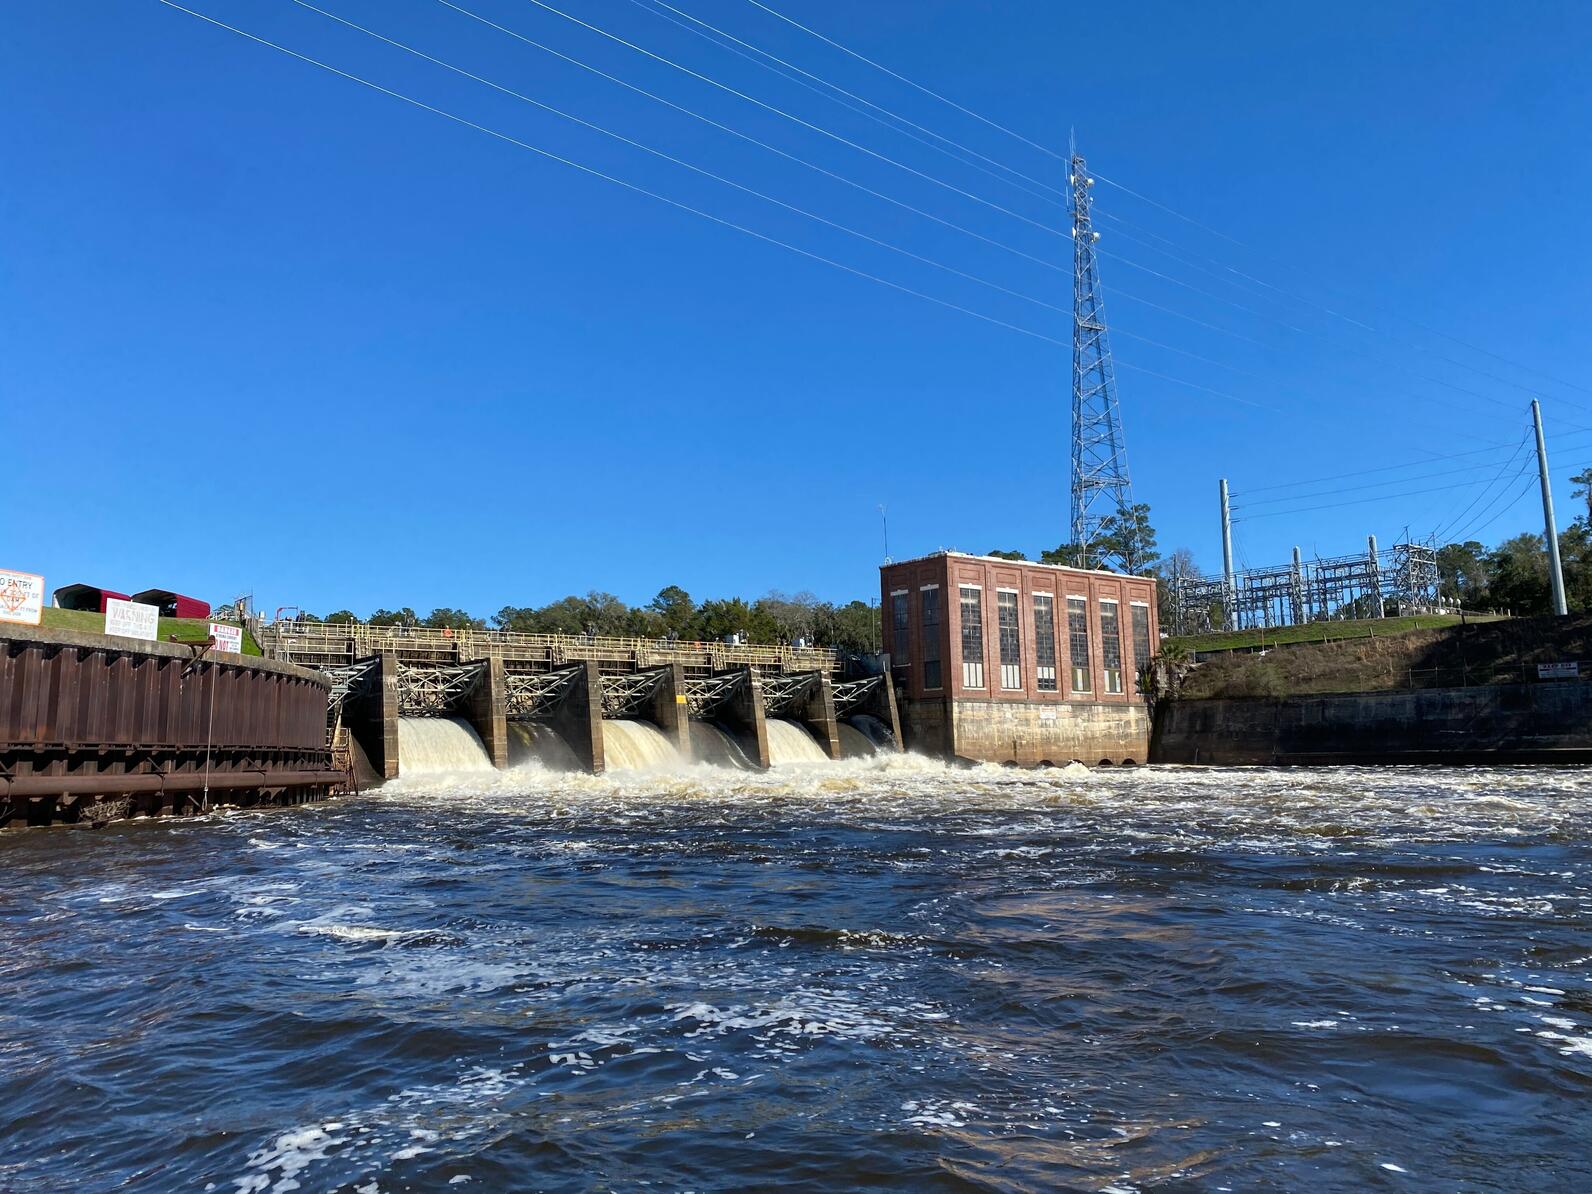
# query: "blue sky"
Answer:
x=263 y=329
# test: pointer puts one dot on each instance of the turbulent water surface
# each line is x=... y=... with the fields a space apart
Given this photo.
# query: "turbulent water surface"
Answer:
x=865 y=975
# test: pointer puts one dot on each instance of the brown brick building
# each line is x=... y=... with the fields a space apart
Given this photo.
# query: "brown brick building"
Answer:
x=1012 y=661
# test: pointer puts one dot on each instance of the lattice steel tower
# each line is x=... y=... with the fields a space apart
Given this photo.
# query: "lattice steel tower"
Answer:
x=1100 y=486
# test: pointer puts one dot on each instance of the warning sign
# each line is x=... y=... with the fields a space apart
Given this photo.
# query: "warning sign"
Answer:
x=228 y=638
x=21 y=597
x=131 y=619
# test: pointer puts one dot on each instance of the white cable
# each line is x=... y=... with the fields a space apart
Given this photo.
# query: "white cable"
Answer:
x=708 y=120
x=1448 y=525
x=1048 y=192
x=902 y=78
x=658 y=153
x=940 y=182
x=629 y=186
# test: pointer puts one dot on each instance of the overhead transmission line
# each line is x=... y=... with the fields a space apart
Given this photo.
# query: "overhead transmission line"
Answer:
x=940 y=182
x=756 y=54
x=1445 y=527
x=662 y=155
x=599 y=174
x=1164 y=207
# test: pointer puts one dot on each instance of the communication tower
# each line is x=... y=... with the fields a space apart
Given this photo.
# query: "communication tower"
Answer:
x=1100 y=486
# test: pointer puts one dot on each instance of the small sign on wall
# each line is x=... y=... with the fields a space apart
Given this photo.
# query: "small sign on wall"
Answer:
x=228 y=638
x=1559 y=671
x=21 y=597
x=131 y=619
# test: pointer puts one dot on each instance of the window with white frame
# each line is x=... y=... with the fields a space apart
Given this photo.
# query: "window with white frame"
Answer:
x=1110 y=645
x=1045 y=642
x=1078 y=643
x=1011 y=640
x=929 y=632
x=900 y=630
x=972 y=636
x=1139 y=612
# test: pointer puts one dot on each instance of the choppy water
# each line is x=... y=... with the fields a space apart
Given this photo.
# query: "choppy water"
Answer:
x=880 y=975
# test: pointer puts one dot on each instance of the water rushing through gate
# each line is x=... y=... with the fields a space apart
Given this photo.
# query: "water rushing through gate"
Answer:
x=873 y=974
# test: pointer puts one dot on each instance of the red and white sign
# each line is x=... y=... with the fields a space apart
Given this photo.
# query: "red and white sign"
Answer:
x=228 y=638
x=21 y=597
x=131 y=619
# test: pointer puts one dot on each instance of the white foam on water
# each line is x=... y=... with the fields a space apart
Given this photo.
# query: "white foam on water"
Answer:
x=790 y=742
x=439 y=746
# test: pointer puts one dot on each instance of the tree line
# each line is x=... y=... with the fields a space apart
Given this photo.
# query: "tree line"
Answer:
x=774 y=618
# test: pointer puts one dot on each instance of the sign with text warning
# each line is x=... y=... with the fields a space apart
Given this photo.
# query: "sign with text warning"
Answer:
x=228 y=638
x=21 y=597
x=131 y=619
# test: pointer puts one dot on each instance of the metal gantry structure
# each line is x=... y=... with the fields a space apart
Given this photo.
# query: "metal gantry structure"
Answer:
x=1100 y=485
x=1364 y=585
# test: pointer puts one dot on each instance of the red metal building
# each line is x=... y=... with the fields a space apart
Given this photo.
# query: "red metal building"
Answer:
x=174 y=605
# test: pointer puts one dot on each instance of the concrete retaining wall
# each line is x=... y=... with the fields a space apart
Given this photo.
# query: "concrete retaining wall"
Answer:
x=1028 y=732
x=1505 y=723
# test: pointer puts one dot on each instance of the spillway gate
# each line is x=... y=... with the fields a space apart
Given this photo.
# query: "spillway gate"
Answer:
x=572 y=683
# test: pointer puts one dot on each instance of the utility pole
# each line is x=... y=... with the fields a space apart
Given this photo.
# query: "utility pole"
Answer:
x=1377 y=609
x=1100 y=486
x=1229 y=581
x=1549 y=529
x=885 y=519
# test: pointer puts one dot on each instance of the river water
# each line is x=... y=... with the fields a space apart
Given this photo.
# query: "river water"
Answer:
x=865 y=975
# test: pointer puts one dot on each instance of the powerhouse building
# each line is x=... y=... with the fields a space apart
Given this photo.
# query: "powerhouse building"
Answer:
x=1008 y=661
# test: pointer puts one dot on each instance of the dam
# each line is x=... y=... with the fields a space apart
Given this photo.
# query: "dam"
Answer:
x=416 y=700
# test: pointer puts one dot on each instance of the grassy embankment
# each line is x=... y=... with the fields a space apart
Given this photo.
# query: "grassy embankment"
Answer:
x=1319 y=632
x=186 y=630
x=1496 y=651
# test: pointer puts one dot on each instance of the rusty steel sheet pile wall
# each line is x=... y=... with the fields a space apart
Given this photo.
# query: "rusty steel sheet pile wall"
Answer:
x=96 y=727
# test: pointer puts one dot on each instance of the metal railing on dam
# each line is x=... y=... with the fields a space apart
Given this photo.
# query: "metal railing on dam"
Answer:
x=333 y=644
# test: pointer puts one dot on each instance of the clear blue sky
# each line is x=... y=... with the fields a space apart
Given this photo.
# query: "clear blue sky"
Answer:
x=264 y=329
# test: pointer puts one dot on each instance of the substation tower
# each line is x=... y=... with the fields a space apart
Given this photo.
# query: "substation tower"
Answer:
x=1100 y=486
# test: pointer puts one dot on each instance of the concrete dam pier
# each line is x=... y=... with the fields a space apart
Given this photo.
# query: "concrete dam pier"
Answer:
x=590 y=704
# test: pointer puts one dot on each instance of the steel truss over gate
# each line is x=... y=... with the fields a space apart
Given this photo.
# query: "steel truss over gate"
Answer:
x=349 y=682
x=531 y=696
x=626 y=695
x=783 y=693
x=854 y=692
x=1319 y=590
x=429 y=691
x=705 y=695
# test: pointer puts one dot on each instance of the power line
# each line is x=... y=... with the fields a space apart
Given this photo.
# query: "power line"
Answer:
x=1445 y=527
x=1164 y=207
x=678 y=161
x=1475 y=529
x=708 y=120
x=910 y=83
x=1300 y=497
x=940 y=182
x=595 y=173
x=1386 y=497
x=1048 y=193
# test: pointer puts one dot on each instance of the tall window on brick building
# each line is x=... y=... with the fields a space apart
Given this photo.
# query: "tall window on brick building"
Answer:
x=1078 y=643
x=901 y=633
x=1045 y=642
x=972 y=637
x=1141 y=636
x=929 y=649
x=1011 y=640
x=1111 y=645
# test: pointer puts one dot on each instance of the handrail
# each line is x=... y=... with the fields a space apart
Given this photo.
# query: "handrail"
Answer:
x=361 y=638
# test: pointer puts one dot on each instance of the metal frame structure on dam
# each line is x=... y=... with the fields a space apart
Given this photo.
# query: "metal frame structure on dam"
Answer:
x=571 y=684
